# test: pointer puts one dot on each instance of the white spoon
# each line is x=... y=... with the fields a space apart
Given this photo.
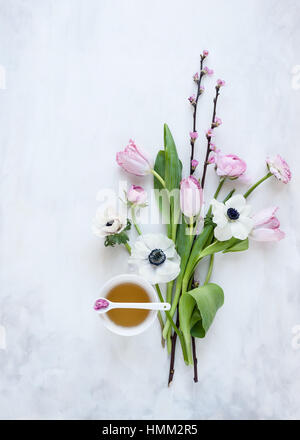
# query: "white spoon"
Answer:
x=103 y=305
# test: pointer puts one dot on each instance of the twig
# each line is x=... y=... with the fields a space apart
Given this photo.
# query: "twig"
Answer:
x=172 y=359
x=192 y=141
x=209 y=137
x=195 y=360
x=199 y=91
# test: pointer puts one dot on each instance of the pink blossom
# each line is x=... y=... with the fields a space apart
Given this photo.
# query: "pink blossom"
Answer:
x=220 y=83
x=134 y=160
x=136 y=195
x=217 y=122
x=196 y=77
x=211 y=160
x=192 y=99
x=207 y=71
x=194 y=164
x=279 y=168
x=214 y=148
x=191 y=197
x=229 y=165
x=266 y=226
x=201 y=90
x=205 y=53
x=209 y=133
x=193 y=134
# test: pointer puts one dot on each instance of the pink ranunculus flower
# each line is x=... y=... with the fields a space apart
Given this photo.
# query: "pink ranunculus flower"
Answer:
x=191 y=197
x=134 y=160
x=136 y=195
x=279 y=168
x=230 y=165
x=266 y=226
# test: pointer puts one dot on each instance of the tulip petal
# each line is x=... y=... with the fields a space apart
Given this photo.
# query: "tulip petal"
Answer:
x=265 y=234
x=263 y=216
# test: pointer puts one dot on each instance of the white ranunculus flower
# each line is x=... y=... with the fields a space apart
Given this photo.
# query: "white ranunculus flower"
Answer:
x=108 y=222
x=155 y=258
x=232 y=218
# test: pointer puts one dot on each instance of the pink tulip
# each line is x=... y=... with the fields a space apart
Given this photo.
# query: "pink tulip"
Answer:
x=266 y=226
x=279 y=168
x=229 y=165
x=191 y=197
x=136 y=195
x=134 y=160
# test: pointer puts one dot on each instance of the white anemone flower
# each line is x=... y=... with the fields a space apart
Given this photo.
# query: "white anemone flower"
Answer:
x=155 y=258
x=108 y=222
x=232 y=218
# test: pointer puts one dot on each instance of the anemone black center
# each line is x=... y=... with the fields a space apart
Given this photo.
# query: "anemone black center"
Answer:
x=110 y=223
x=157 y=257
x=233 y=214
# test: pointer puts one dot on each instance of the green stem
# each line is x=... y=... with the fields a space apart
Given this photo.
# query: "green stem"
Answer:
x=155 y=174
x=229 y=195
x=134 y=220
x=210 y=268
x=162 y=324
x=221 y=183
x=175 y=328
x=256 y=184
x=128 y=248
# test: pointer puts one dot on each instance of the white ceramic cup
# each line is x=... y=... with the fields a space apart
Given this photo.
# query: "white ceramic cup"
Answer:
x=134 y=279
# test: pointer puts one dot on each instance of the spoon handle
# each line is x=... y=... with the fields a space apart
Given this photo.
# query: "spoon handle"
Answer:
x=147 y=306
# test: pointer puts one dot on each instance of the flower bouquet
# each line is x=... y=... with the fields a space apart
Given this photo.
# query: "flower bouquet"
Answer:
x=192 y=235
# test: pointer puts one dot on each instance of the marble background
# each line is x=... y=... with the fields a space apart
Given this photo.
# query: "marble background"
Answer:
x=81 y=78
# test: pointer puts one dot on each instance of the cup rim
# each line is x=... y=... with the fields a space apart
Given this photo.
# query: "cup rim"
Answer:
x=135 y=279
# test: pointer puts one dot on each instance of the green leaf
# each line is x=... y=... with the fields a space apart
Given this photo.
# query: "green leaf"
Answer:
x=209 y=298
x=186 y=307
x=196 y=325
x=173 y=166
x=241 y=245
x=121 y=238
x=206 y=300
x=173 y=172
x=198 y=245
x=217 y=246
x=159 y=167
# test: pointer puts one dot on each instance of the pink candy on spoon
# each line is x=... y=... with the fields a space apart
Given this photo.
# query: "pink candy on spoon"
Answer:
x=103 y=305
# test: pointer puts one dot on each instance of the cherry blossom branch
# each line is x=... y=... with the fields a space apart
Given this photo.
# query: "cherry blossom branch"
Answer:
x=215 y=122
x=194 y=101
x=193 y=164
